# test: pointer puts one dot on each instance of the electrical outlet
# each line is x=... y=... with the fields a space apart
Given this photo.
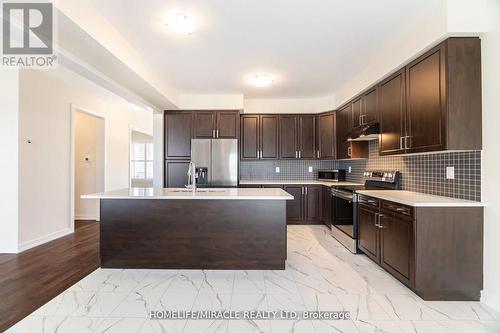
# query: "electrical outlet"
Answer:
x=277 y=169
x=310 y=169
x=349 y=170
x=450 y=172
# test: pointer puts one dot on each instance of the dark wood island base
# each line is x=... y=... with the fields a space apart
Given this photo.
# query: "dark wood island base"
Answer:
x=193 y=234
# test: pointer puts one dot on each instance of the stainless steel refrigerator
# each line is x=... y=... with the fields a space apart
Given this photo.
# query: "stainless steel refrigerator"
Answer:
x=219 y=157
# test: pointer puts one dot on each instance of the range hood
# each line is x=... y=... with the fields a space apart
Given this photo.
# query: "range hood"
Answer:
x=367 y=133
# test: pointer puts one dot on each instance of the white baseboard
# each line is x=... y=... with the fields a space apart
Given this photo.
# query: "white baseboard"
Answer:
x=44 y=239
x=491 y=300
x=8 y=248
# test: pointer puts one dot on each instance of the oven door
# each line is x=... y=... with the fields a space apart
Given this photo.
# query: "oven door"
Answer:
x=343 y=212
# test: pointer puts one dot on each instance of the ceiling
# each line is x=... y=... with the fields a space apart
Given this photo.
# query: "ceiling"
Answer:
x=311 y=47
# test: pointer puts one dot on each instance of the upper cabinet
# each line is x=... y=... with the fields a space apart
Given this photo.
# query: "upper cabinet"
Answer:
x=326 y=136
x=432 y=104
x=297 y=136
x=392 y=111
x=216 y=124
x=348 y=149
x=259 y=137
x=178 y=133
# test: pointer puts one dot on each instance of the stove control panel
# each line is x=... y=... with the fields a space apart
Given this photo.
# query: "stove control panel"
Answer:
x=384 y=176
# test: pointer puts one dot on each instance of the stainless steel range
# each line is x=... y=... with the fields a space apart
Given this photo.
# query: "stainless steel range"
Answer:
x=344 y=204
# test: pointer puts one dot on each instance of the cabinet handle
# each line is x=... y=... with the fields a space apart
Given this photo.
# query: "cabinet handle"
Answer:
x=300 y=154
x=213 y=133
x=380 y=225
x=302 y=190
x=307 y=190
x=318 y=154
x=296 y=154
x=360 y=119
x=217 y=133
x=349 y=151
x=401 y=142
x=406 y=142
x=376 y=220
x=261 y=153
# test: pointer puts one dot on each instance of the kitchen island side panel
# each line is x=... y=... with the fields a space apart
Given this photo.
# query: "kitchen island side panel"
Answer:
x=193 y=234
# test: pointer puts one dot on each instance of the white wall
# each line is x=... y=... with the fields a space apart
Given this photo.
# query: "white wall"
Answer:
x=45 y=107
x=290 y=105
x=490 y=49
x=89 y=138
x=210 y=102
x=9 y=116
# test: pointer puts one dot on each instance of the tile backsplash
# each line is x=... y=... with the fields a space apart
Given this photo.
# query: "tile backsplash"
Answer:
x=421 y=173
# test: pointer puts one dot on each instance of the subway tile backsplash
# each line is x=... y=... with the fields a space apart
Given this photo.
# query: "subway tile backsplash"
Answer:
x=421 y=173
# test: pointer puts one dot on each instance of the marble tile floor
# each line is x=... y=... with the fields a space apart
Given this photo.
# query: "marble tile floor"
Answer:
x=320 y=275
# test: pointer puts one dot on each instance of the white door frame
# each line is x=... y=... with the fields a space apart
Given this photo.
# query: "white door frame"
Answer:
x=130 y=130
x=74 y=110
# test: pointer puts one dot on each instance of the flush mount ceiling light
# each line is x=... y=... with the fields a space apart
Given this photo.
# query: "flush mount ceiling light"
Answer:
x=262 y=80
x=180 y=23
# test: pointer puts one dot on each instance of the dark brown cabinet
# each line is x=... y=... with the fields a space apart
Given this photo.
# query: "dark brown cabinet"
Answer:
x=392 y=114
x=250 y=140
x=396 y=245
x=204 y=124
x=357 y=111
x=369 y=236
x=435 y=251
x=294 y=208
x=348 y=149
x=434 y=103
x=259 y=137
x=305 y=208
x=178 y=134
x=176 y=173
x=297 y=136
x=369 y=112
x=216 y=124
x=326 y=136
x=326 y=206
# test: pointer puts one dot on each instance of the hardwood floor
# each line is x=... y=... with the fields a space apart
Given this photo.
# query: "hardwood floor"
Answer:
x=32 y=278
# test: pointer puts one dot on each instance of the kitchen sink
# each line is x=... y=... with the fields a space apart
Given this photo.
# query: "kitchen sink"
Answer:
x=197 y=191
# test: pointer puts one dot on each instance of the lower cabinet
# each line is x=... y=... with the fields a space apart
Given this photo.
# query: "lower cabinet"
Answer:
x=436 y=251
x=305 y=208
x=176 y=173
x=326 y=206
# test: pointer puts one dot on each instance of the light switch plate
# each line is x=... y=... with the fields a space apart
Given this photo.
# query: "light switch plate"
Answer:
x=310 y=169
x=277 y=169
x=450 y=172
x=349 y=170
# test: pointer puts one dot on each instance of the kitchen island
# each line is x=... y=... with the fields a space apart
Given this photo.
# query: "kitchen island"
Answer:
x=173 y=228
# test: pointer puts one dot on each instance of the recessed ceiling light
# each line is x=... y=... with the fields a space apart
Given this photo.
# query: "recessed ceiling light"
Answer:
x=262 y=80
x=180 y=23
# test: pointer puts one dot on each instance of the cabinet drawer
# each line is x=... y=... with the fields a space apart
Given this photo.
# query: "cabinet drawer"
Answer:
x=368 y=201
x=398 y=208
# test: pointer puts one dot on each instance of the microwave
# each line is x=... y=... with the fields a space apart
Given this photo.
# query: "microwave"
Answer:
x=331 y=175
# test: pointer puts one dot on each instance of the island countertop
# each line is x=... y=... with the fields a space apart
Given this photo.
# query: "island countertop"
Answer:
x=200 y=194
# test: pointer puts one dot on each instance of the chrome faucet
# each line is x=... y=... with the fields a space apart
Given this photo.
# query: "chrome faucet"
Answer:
x=191 y=177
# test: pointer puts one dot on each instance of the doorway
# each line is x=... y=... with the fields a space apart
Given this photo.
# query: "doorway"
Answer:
x=88 y=159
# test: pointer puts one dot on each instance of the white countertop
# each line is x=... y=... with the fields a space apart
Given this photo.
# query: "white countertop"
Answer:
x=200 y=194
x=417 y=199
x=295 y=182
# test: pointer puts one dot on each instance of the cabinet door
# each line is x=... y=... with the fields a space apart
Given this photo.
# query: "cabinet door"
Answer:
x=228 y=124
x=343 y=129
x=397 y=255
x=326 y=136
x=426 y=104
x=269 y=136
x=312 y=204
x=178 y=133
x=294 y=208
x=288 y=137
x=392 y=110
x=307 y=136
x=369 y=235
x=357 y=111
x=369 y=112
x=326 y=206
x=249 y=143
x=204 y=124
x=176 y=173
